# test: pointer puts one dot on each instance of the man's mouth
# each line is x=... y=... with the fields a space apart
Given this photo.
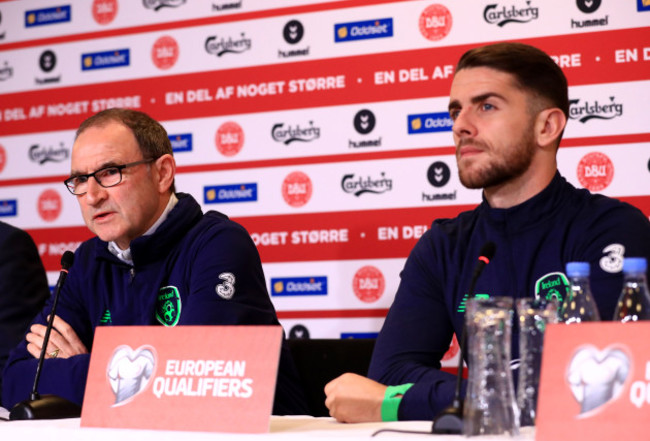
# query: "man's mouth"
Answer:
x=102 y=216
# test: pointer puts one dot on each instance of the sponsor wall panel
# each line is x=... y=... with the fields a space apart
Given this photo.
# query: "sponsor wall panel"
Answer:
x=332 y=187
x=357 y=79
x=331 y=327
x=253 y=42
x=333 y=285
x=320 y=126
x=100 y=15
x=613 y=170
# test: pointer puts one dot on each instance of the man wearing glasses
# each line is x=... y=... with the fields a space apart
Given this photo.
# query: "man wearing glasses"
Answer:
x=156 y=260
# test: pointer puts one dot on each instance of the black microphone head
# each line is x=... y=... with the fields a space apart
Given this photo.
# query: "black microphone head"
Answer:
x=488 y=250
x=67 y=259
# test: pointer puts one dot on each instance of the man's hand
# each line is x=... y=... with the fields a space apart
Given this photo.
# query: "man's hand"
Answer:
x=352 y=398
x=63 y=342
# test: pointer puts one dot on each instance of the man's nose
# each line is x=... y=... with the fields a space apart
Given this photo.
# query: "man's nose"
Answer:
x=463 y=124
x=94 y=192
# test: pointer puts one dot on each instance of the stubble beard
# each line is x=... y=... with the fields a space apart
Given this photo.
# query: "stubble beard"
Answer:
x=495 y=171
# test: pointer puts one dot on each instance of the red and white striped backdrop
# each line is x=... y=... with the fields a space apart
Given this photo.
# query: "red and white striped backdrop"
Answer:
x=299 y=106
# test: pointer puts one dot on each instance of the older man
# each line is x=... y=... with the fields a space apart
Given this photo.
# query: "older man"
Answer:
x=156 y=260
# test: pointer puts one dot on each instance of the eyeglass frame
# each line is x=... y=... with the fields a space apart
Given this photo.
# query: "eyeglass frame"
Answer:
x=93 y=174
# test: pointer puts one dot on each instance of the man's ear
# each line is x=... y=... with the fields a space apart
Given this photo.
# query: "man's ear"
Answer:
x=166 y=167
x=549 y=125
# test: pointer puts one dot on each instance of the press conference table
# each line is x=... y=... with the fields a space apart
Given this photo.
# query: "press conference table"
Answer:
x=281 y=428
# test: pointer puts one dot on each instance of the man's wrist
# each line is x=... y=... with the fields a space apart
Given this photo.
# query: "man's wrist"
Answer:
x=392 y=399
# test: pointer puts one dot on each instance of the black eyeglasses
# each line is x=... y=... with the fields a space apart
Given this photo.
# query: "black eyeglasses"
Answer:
x=106 y=177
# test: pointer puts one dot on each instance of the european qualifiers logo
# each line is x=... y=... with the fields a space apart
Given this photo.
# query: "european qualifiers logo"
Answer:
x=363 y=30
x=358 y=185
x=220 y=46
x=41 y=154
x=429 y=123
x=157 y=5
x=8 y=208
x=586 y=111
x=292 y=33
x=364 y=122
x=105 y=59
x=6 y=71
x=298 y=286
x=47 y=16
x=47 y=63
x=438 y=176
x=226 y=6
x=588 y=7
x=181 y=142
x=596 y=377
x=502 y=15
x=289 y=134
x=222 y=194
x=129 y=372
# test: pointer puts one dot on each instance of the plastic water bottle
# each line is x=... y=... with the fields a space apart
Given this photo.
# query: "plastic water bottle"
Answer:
x=579 y=304
x=634 y=302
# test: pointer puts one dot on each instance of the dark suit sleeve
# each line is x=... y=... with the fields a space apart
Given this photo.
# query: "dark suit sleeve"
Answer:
x=64 y=377
x=23 y=287
x=415 y=336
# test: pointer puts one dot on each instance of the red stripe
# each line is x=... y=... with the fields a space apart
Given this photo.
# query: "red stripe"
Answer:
x=358 y=71
x=610 y=139
x=333 y=313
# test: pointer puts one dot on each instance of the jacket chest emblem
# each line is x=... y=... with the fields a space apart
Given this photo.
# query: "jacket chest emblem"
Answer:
x=168 y=306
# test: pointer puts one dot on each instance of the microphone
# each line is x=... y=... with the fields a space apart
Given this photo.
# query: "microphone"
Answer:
x=47 y=406
x=450 y=420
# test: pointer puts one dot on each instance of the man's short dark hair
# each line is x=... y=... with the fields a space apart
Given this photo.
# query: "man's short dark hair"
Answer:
x=151 y=136
x=532 y=68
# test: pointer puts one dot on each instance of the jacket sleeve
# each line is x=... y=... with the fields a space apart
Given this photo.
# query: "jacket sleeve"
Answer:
x=619 y=231
x=227 y=287
x=23 y=287
x=64 y=377
x=415 y=336
x=226 y=284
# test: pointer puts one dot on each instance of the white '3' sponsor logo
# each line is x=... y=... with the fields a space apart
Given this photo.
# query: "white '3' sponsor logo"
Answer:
x=226 y=289
x=612 y=261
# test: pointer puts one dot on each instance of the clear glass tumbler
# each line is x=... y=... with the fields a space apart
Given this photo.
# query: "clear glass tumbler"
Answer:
x=533 y=315
x=490 y=407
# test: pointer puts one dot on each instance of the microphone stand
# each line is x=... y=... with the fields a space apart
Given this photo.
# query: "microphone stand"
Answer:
x=47 y=406
x=450 y=420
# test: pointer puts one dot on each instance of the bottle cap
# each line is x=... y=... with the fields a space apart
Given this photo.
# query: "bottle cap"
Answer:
x=635 y=265
x=577 y=269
